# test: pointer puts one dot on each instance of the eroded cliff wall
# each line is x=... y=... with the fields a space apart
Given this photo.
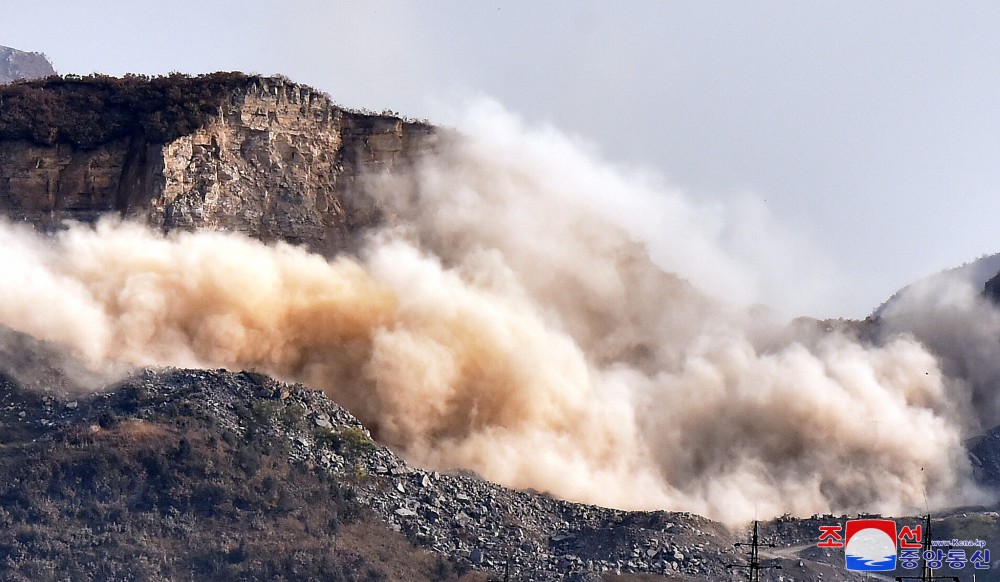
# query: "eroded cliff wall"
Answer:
x=277 y=161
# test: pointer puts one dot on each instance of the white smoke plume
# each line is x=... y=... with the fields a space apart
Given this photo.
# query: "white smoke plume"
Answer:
x=521 y=318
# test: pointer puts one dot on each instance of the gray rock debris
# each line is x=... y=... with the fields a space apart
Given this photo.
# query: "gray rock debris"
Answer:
x=459 y=516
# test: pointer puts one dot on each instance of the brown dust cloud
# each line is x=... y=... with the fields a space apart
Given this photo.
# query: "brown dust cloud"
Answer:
x=552 y=321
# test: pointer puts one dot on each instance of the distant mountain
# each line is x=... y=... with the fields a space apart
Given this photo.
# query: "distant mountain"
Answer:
x=979 y=273
x=15 y=64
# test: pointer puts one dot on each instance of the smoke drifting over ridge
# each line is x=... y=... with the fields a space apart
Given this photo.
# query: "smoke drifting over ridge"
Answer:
x=511 y=321
x=949 y=314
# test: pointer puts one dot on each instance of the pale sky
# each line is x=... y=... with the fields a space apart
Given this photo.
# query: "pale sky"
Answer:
x=870 y=129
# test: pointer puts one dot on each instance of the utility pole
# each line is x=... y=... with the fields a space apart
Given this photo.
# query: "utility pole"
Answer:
x=753 y=565
x=926 y=573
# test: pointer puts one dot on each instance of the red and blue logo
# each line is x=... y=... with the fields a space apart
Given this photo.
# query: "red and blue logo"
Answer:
x=870 y=545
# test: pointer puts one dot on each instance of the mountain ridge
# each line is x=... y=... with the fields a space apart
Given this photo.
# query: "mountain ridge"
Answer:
x=17 y=65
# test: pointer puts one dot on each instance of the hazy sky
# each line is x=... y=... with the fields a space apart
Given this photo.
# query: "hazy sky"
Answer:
x=871 y=129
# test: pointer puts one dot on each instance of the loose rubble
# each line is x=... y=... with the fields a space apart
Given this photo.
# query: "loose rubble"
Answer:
x=520 y=534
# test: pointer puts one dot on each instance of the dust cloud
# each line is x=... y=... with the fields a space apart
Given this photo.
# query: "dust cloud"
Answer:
x=541 y=318
x=950 y=315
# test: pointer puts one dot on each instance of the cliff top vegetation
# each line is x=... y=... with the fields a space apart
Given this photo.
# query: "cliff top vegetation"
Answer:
x=89 y=111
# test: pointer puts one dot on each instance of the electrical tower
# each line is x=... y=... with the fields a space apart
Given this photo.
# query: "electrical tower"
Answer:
x=753 y=565
x=926 y=574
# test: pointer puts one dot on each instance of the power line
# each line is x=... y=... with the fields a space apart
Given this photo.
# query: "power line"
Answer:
x=926 y=573
x=753 y=565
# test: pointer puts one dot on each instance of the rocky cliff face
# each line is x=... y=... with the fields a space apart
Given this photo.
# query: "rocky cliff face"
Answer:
x=276 y=160
x=15 y=64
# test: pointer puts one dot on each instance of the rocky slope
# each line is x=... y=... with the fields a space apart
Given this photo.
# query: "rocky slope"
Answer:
x=188 y=473
x=16 y=65
x=228 y=151
x=176 y=474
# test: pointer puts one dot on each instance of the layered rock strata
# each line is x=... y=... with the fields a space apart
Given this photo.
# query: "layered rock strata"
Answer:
x=278 y=161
